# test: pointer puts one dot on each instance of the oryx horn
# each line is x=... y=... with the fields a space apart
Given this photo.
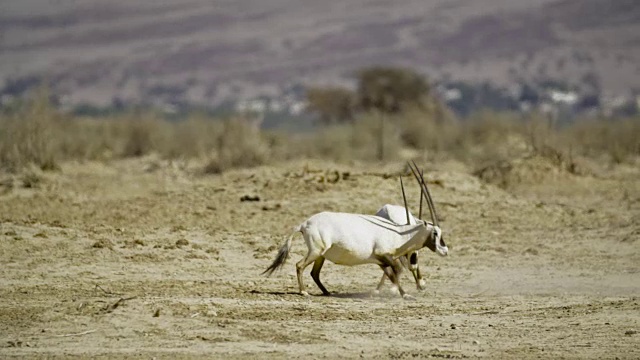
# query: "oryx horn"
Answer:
x=404 y=198
x=420 y=213
x=425 y=191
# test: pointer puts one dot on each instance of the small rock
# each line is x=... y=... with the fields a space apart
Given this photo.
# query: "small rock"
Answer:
x=182 y=242
x=156 y=313
x=103 y=243
x=630 y=332
x=453 y=326
x=271 y=207
x=250 y=198
x=476 y=342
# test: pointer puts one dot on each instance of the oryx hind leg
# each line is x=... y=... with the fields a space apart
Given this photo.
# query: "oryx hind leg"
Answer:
x=300 y=266
x=315 y=274
x=401 y=261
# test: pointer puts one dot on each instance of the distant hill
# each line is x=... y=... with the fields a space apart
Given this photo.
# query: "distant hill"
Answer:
x=204 y=52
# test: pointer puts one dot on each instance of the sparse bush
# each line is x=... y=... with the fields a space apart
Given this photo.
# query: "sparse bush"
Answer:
x=239 y=143
x=28 y=135
x=360 y=140
x=425 y=130
x=31 y=179
x=142 y=134
x=194 y=137
x=332 y=104
x=86 y=139
x=616 y=139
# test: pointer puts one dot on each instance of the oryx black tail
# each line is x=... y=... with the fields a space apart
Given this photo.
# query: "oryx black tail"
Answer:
x=283 y=255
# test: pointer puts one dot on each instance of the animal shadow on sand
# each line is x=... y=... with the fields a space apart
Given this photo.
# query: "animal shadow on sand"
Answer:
x=354 y=295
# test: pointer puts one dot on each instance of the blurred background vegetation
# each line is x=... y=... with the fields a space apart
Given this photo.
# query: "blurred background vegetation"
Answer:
x=392 y=114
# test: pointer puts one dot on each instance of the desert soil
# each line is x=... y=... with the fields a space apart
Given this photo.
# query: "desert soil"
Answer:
x=148 y=259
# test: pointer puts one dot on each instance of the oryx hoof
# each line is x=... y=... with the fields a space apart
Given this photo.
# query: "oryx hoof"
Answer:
x=408 y=297
x=394 y=290
x=421 y=285
x=304 y=293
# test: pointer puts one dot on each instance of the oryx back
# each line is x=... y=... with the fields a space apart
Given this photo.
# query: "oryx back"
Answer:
x=396 y=213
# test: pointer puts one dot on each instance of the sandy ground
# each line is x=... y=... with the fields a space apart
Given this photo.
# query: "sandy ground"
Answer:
x=145 y=259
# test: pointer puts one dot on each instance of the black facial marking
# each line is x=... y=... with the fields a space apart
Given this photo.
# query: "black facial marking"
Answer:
x=430 y=242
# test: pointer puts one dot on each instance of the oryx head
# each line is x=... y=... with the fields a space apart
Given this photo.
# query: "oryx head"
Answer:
x=434 y=241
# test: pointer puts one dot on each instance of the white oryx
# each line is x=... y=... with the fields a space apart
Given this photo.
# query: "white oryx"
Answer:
x=354 y=239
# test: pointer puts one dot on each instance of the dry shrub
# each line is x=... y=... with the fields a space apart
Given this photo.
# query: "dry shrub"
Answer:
x=490 y=137
x=87 y=139
x=194 y=137
x=375 y=137
x=370 y=137
x=553 y=151
x=530 y=170
x=238 y=143
x=142 y=134
x=423 y=131
x=619 y=140
x=28 y=135
x=485 y=137
x=31 y=179
x=331 y=142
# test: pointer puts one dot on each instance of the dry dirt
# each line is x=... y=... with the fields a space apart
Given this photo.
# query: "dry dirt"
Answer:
x=146 y=259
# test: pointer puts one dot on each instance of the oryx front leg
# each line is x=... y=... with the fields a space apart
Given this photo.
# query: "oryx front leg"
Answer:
x=300 y=266
x=415 y=270
x=392 y=270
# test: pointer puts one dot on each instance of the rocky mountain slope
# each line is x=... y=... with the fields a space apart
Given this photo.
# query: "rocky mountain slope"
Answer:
x=204 y=52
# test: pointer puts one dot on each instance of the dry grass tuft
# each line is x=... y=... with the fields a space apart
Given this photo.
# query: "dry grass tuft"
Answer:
x=371 y=137
x=238 y=143
x=616 y=140
x=27 y=136
x=530 y=170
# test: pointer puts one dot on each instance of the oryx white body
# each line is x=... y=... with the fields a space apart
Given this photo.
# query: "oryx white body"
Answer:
x=354 y=239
